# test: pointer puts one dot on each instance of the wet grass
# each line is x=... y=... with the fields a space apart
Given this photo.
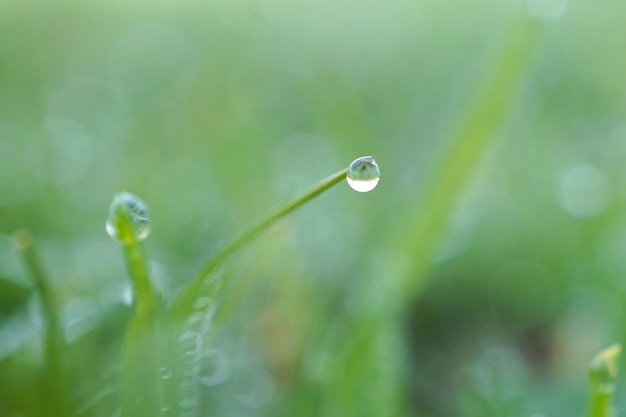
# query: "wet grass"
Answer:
x=475 y=280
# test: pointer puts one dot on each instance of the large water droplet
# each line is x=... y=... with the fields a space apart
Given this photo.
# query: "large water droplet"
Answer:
x=363 y=174
x=129 y=220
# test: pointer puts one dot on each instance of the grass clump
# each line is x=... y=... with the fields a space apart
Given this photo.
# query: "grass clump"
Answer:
x=159 y=377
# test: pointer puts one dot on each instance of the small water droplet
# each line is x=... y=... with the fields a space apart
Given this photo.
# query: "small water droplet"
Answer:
x=165 y=373
x=191 y=402
x=215 y=368
x=195 y=318
x=202 y=303
x=127 y=295
x=191 y=341
x=129 y=220
x=363 y=174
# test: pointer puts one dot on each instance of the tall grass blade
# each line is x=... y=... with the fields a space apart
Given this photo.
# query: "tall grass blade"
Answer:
x=474 y=137
x=142 y=393
x=54 y=389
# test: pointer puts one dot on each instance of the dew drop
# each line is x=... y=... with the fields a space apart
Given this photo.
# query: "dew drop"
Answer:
x=190 y=402
x=202 y=302
x=129 y=220
x=191 y=341
x=165 y=373
x=363 y=174
x=195 y=318
x=128 y=295
x=215 y=368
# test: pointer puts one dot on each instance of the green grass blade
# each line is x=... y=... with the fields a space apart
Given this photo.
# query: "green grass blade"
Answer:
x=141 y=387
x=54 y=384
x=144 y=296
x=469 y=145
x=142 y=391
x=182 y=306
x=180 y=363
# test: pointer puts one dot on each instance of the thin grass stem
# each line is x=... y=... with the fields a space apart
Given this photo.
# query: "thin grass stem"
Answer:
x=183 y=303
x=54 y=387
x=142 y=390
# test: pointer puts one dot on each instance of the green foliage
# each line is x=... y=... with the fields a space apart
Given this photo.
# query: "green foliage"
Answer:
x=53 y=389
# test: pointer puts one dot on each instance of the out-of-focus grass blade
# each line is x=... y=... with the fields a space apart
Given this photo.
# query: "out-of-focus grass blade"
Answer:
x=425 y=226
x=54 y=385
x=475 y=135
x=141 y=382
x=12 y=296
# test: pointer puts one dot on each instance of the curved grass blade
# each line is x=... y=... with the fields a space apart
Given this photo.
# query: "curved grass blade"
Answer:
x=183 y=305
x=183 y=335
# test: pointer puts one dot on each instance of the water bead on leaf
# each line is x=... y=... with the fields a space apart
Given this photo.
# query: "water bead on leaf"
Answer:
x=129 y=220
x=363 y=174
x=165 y=373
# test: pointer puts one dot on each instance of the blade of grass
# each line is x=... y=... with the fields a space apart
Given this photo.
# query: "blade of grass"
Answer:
x=142 y=390
x=54 y=384
x=183 y=305
x=180 y=364
x=474 y=137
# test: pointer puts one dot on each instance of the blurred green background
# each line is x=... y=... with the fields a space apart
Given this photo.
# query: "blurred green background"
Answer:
x=215 y=112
